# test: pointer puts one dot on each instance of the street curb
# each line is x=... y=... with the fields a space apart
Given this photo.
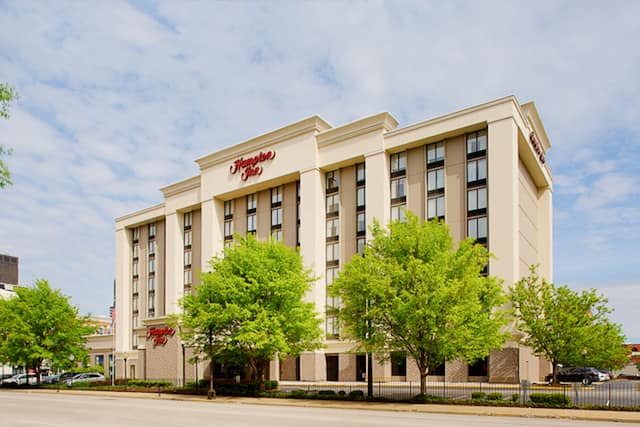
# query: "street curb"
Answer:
x=545 y=413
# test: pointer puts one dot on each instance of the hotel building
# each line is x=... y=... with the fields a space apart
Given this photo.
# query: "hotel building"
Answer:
x=318 y=187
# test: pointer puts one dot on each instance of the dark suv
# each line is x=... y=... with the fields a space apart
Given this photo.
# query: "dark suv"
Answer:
x=576 y=375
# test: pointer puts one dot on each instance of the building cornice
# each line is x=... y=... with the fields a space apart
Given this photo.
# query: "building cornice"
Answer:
x=308 y=125
x=140 y=212
x=382 y=121
x=181 y=186
x=444 y=118
x=531 y=113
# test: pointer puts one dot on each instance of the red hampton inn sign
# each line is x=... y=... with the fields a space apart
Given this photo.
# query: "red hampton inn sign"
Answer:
x=251 y=166
x=160 y=335
x=537 y=147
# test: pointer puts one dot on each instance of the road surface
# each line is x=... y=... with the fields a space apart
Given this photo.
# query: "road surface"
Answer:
x=20 y=409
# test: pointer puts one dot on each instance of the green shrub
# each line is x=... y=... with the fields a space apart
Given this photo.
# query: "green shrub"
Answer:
x=478 y=395
x=427 y=398
x=515 y=397
x=299 y=393
x=552 y=399
x=149 y=383
x=271 y=385
x=356 y=394
x=342 y=393
x=494 y=396
x=329 y=393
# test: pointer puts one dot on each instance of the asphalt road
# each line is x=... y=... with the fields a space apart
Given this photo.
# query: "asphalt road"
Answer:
x=42 y=410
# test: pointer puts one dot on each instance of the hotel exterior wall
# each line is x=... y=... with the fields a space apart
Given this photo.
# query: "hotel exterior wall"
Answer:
x=307 y=149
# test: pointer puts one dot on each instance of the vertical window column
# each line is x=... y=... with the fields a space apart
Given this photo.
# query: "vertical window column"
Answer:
x=435 y=181
x=228 y=223
x=151 y=307
x=398 y=169
x=477 y=188
x=361 y=225
x=252 y=205
x=332 y=187
x=188 y=253
x=276 y=213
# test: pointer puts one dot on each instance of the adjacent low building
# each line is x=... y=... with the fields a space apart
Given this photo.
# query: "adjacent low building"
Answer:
x=317 y=187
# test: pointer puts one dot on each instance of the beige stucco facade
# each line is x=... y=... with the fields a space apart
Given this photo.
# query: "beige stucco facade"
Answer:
x=309 y=186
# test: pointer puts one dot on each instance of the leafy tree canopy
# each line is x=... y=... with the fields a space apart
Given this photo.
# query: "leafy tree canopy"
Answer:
x=7 y=95
x=250 y=306
x=39 y=324
x=414 y=291
x=567 y=327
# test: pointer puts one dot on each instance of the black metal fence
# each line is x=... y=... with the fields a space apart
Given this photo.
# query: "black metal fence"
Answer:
x=618 y=394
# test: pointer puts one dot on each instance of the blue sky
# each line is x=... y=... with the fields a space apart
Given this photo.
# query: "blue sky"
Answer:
x=118 y=98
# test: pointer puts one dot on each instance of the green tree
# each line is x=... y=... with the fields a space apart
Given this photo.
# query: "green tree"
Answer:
x=413 y=291
x=567 y=327
x=250 y=307
x=7 y=95
x=39 y=324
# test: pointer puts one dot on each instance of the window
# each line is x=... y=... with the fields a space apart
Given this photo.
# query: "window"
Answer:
x=477 y=227
x=333 y=228
x=134 y=303
x=228 y=243
x=251 y=223
x=477 y=170
x=333 y=203
x=152 y=302
x=134 y=286
x=360 y=197
x=398 y=364
x=479 y=368
x=435 y=152
x=228 y=229
x=136 y=234
x=187 y=238
x=134 y=321
x=276 y=235
x=398 y=162
x=187 y=220
x=276 y=217
x=187 y=258
x=333 y=252
x=398 y=188
x=477 y=142
x=361 y=223
x=135 y=251
x=398 y=213
x=360 y=173
x=252 y=202
x=99 y=360
x=435 y=179
x=134 y=343
x=332 y=180
x=134 y=269
x=276 y=195
x=332 y=273
x=152 y=284
x=361 y=242
x=152 y=230
x=435 y=207
x=477 y=199
x=152 y=247
x=228 y=208
x=187 y=277
x=333 y=328
x=152 y=265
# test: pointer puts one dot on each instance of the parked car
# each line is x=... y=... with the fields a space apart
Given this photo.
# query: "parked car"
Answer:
x=21 y=379
x=576 y=375
x=89 y=377
x=603 y=375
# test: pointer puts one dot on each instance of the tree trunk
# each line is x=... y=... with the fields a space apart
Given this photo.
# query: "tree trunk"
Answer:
x=211 y=394
x=554 y=379
x=260 y=372
x=423 y=380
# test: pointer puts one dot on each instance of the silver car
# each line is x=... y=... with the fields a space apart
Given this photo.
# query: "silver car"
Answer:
x=89 y=377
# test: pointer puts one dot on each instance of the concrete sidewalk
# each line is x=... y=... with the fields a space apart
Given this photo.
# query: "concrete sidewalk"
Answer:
x=574 y=414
